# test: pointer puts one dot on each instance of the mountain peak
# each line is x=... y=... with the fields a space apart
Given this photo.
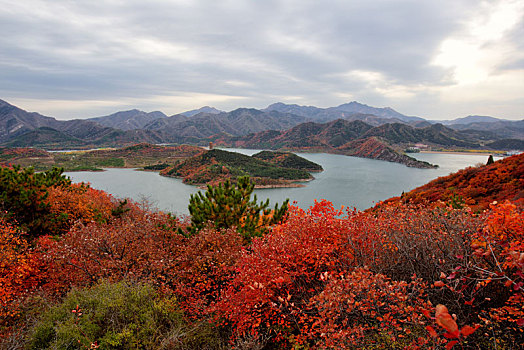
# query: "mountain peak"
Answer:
x=205 y=109
x=353 y=103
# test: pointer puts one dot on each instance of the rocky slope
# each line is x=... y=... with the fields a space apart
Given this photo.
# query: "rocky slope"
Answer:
x=373 y=148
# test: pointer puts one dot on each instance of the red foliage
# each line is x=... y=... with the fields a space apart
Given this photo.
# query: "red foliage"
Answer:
x=362 y=308
x=78 y=202
x=477 y=186
x=281 y=271
x=324 y=278
x=137 y=245
x=282 y=274
x=447 y=327
x=142 y=245
x=19 y=271
x=204 y=267
x=499 y=259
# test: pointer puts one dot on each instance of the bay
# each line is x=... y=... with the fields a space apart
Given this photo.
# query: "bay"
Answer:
x=345 y=181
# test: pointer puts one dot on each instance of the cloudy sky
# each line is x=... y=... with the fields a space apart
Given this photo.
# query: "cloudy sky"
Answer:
x=436 y=59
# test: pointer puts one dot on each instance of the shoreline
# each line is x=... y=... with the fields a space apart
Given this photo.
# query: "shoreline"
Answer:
x=291 y=184
x=475 y=153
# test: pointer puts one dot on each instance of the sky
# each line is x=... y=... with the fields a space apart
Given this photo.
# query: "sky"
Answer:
x=434 y=59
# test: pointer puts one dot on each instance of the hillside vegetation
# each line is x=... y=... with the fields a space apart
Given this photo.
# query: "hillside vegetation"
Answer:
x=476 y=187
x=135 y=156
x=82 y=270
x=287 y=160
x=218 y=165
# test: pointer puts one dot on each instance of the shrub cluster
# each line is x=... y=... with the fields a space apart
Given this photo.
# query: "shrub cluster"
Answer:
x=120 y=276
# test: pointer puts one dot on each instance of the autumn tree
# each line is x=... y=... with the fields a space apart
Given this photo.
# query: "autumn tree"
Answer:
x=68 y=205
x=229 y=205
x=281 y=271
x=18 y=273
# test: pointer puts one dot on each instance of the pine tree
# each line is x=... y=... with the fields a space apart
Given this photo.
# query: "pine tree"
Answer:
x=228 y=205
x=23 y=196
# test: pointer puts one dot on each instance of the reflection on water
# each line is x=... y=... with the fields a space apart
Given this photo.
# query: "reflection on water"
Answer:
x=345 y=181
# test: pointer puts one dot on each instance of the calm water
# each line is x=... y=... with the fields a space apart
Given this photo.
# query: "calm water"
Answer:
x=345 y=181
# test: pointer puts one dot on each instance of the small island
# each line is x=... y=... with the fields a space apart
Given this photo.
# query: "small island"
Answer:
x=265 y=168
x=288 y=160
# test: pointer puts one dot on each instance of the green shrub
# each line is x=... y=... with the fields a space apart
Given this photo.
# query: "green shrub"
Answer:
x=121 y=315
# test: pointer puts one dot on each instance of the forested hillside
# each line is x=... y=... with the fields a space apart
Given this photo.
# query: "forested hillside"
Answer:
x=80 y=269
x=217 y=165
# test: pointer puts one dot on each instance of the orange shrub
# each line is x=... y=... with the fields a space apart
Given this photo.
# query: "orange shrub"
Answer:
x=19 y=271
x=78 y=202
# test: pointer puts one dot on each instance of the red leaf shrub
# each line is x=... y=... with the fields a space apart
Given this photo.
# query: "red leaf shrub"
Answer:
x=137 y=245
x=19 y=272
x=361 y=308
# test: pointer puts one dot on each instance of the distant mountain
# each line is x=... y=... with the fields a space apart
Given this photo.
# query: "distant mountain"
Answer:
x=118 y=138
x=15 y=121
x=128 y=120
x=50 y=138
x=350 y=111
x=336 y=133
x=387 y=112
x=309 y=135
x=304 y=111
x=205 y=109
x=239 y=122
x=500 y=128
x=344 y=123
x=507 y=144
x=24 y=129
x=470 y=119
x=356 y=138
x=436 y=134
x=45 y=137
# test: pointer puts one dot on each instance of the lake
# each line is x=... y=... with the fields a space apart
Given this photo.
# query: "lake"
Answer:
x=345 y=181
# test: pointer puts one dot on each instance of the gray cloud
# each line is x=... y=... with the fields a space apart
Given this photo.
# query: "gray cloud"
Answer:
x=232 y=53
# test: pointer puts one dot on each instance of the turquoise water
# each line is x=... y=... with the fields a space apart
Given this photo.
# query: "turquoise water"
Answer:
x=345 y=181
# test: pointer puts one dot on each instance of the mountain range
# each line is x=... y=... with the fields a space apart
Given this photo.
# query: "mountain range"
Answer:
x=352 y=110
x=281 y=124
